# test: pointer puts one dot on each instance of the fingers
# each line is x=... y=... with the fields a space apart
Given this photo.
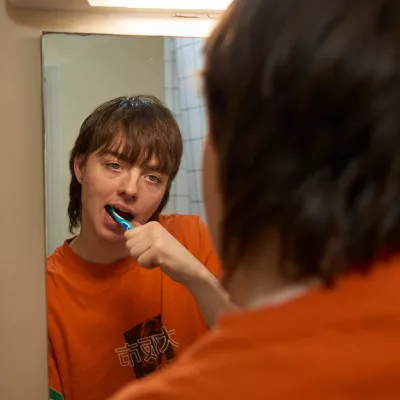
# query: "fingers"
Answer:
x=142 y=243
x=137 y=247
x=139 y=229
x=149 y=259
x=131 y=232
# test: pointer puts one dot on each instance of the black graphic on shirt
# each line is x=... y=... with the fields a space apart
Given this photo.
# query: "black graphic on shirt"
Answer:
x=148 y=346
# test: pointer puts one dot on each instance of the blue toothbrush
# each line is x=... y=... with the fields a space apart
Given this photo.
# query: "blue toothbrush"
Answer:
x=123 y=222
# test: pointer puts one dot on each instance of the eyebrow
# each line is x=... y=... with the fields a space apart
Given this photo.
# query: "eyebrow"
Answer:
x=148 y=167
x=154 y=168
x=116 y=154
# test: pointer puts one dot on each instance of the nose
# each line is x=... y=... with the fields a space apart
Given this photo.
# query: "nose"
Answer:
x=129 y=183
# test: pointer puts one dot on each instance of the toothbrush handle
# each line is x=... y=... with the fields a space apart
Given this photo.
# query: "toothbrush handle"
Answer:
x=126 y=225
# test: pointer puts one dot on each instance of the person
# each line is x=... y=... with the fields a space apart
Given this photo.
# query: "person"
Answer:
x=302 y=193
x=113 y=316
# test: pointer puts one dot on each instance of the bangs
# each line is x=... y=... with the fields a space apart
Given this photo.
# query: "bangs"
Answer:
x=142 y=139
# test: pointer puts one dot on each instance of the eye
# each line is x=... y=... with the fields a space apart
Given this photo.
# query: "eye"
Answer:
x=114 y=166
x=153 y=178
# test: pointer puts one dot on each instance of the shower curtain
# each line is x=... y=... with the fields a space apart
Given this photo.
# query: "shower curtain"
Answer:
x=183 y=63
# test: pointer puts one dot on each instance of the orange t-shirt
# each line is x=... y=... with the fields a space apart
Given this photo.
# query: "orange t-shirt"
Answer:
x=340 y=344
x=111 y=324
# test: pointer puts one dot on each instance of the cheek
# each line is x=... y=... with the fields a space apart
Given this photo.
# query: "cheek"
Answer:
x=157 y=195
x=150 y=195
x=153 y=198
x=148 y=202
x=95 y=188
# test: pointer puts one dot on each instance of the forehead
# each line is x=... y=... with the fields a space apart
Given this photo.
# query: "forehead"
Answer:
x=140 y=146
x=121 y=149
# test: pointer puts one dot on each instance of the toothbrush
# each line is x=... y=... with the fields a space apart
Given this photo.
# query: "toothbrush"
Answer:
x=123 y=222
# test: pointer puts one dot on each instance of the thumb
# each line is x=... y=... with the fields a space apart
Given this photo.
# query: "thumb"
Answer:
x=132 y=231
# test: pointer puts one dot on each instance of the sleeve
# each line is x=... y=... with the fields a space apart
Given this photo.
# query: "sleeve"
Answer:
x=54 y=377
x=207 y=254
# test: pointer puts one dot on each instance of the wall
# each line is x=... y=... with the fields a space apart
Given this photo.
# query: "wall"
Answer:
x=81 y=73
x=23 y=344
x=23 y=330
x=183 y=64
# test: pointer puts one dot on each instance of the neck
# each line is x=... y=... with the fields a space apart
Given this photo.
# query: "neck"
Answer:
x=91 y=248
x=254 y=286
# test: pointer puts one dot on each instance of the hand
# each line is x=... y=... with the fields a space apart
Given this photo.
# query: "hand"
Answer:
x=153 y=246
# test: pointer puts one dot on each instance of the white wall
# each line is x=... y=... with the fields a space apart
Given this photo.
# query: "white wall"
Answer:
x=81 y=72
x=23 y=334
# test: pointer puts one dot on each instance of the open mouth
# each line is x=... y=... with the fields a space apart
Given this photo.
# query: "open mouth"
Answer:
x=123 y=214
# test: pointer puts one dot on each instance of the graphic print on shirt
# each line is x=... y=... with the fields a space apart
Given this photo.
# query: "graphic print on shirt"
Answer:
x=148 y=346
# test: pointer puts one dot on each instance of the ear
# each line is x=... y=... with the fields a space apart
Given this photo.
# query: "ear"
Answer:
x=79 y=166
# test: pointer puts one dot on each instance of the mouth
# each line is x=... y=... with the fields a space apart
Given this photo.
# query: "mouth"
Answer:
x=123 y=214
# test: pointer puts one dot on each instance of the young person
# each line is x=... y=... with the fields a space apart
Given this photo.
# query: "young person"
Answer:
x=302 y=191
x=122 y=305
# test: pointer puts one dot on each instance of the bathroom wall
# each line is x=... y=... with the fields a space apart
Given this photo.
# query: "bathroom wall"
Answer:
x=23 y=330
x=183 y=64
x=23 y=343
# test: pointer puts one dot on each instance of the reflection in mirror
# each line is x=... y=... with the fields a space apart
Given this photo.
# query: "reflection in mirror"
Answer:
x=82 y=71
x=123 y=304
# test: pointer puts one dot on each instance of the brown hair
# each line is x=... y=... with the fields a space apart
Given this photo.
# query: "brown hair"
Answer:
x=144 y=126
x=303 y=99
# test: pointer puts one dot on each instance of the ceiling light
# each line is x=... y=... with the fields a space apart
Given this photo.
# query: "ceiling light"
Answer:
x=181 y=5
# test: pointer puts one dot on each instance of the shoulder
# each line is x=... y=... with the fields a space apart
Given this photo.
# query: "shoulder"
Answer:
x=187 y=229
x=193 y=233
x=186 y=221
x=56 y=267
x=55 y=260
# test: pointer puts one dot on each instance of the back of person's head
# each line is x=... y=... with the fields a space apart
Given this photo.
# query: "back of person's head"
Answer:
x=138 y=128
x=304 y=106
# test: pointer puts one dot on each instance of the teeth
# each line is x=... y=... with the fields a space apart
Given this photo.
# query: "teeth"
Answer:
x=124 y=214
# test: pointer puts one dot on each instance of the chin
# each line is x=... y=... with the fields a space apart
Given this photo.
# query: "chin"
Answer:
x=116 y=239
x=112 y=237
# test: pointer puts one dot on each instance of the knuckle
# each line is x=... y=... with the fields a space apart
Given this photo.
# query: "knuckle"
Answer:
x=159 y=244
x=154 y=225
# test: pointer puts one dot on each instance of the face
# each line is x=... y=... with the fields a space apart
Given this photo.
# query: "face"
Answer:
x=134 y=191
x=211 y=191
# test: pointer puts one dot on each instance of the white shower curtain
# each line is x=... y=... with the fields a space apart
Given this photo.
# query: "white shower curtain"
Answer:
x=183 y=62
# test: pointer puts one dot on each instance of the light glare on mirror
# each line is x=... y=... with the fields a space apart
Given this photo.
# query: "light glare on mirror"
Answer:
x=181 y=5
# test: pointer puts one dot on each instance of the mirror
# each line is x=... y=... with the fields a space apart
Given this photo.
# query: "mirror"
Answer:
x=111 y=321
x=82 y=71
